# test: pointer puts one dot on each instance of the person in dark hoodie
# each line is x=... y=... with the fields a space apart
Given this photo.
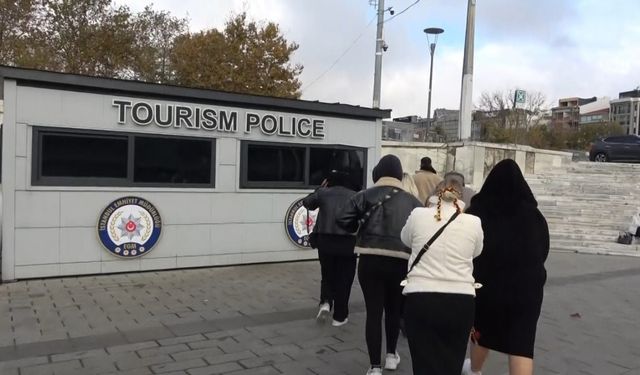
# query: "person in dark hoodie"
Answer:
x=378 y=214
x=510 y=268
x=335 y=247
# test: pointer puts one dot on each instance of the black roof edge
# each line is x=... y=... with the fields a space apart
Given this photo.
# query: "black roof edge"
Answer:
x=49 y=78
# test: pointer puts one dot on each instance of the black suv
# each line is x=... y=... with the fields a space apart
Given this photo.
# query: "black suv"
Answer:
x=616 y=148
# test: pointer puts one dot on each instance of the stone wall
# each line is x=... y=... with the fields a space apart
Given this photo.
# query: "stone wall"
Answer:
x=475 y=159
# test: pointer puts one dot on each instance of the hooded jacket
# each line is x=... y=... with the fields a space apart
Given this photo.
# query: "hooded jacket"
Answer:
x=380 y=233
x=329 y=200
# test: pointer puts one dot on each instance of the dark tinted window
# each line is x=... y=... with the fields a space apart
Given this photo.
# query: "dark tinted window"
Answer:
x=275 y=163
x=271 y=165
x=616 y=140
x=323 y=160
x=64 y=157
x=172 y=160
x=74 y=155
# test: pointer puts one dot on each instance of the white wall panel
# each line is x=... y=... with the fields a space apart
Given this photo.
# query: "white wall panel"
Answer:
x=79 y=245
x=37 y=246
x=37 y=209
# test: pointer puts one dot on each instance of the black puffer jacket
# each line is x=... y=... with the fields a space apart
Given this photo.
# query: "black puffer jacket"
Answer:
x=380 y=234
x=330 y=201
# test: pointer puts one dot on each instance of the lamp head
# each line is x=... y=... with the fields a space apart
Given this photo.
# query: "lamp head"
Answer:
x=433 y=30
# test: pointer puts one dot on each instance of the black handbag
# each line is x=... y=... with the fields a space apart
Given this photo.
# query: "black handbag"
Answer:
x=625 y=238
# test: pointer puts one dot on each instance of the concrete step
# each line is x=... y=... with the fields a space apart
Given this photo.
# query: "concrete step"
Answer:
x=563 y=229
x=586 y=220
x=588 y=211
x=596 y=247
x=597 y=250
x=581 y=237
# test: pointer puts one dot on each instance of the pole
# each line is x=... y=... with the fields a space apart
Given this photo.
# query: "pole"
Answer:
x=378 y=69
x=466 y=95
x=432 y=49
x=515 y=111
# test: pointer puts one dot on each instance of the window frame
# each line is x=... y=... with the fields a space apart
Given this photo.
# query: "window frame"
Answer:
x=244 y=159
x=36 y=162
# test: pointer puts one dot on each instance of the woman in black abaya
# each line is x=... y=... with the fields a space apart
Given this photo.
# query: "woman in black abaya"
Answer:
x=510 y=269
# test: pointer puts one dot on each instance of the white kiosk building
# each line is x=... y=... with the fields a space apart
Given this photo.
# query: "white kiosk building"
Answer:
x=104 y=175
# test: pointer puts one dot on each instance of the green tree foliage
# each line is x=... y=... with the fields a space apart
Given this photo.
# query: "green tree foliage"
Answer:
x=20 y=36
x=96 y=37
x=156 y=33
x=245 y=57
x=87 y=37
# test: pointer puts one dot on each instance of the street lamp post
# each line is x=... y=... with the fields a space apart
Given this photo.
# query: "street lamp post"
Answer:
x=432 y=32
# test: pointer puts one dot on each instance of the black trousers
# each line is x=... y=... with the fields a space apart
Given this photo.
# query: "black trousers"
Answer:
x=337 y=272
x=380 y=278
x=438 y=327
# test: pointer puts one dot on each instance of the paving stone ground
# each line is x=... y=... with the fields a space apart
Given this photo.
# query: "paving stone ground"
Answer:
x=259 y=319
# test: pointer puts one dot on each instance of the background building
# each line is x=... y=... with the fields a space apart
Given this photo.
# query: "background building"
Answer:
x=445 y=124
x=567 y=113
x=596 y=112
x=626 y=111
x=443 y=128
x=405 y=129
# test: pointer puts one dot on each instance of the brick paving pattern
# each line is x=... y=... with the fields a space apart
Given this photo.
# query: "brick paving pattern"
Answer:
x=259 y=319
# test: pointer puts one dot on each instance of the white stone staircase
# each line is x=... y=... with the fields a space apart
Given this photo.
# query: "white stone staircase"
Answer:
x=587 y=204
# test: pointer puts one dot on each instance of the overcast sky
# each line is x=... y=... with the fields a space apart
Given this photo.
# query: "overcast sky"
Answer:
x=561 y=48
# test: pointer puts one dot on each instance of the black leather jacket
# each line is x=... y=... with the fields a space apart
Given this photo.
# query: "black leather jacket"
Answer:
x=380 y=234
x=330 y=200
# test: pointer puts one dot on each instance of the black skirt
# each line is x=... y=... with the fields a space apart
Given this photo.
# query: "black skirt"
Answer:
x=438 y=327
x=506 y=320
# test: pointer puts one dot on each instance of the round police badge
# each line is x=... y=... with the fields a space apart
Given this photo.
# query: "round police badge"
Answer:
x=299 y=222
x=129 y=227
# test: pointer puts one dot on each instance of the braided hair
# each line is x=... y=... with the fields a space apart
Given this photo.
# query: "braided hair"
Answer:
x=449 y=194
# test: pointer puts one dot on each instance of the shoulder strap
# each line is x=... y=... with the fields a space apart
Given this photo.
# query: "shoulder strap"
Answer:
x=430 y=242
x=367 y=215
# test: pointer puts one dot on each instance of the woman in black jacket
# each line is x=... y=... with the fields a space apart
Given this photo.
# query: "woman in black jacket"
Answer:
x=510 y=268
x=335 y=247
x=378 y=215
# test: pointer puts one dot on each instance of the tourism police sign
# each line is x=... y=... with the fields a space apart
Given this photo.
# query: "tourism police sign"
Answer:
x=129 y=227
x=299 y=222
x=215 y=119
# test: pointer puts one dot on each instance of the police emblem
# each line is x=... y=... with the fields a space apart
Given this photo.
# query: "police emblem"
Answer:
x=129 y=227
x=299 y=222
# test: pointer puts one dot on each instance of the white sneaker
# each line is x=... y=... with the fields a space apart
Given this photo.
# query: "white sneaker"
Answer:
x=466 y=368
x=337 y=323
x=324 y=312
x=392 y=361
x=374 y=371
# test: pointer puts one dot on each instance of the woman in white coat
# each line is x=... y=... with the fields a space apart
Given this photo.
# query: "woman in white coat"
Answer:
x=440 y=289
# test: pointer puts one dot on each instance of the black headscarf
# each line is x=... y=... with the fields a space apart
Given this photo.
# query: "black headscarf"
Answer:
x=425 y=164
x=338 y=178
x=504 y=189
x=388 y=166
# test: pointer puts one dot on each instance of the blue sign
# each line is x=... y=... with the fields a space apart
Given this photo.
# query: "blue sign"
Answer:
x=299 y=222
x=129 y=227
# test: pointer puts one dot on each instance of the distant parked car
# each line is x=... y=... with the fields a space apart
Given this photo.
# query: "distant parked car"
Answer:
x=616 y=148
